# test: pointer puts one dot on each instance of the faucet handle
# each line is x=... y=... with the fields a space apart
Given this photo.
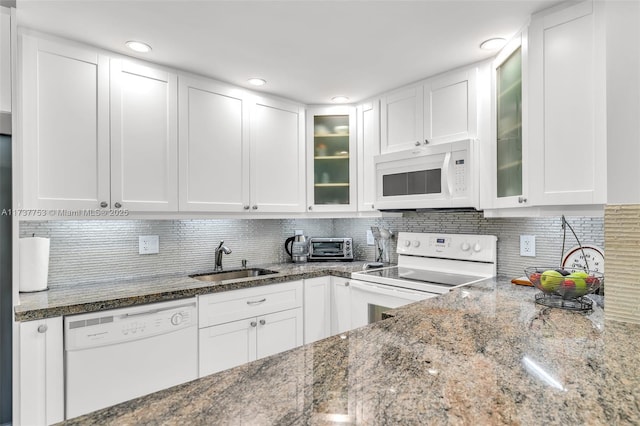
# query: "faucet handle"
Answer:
x=221 y=243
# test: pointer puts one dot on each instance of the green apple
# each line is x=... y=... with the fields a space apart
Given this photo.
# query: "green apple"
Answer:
x=574 y=285
x=550 y=280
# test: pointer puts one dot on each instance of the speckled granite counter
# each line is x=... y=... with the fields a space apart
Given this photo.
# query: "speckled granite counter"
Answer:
x=484 y=354
x=81 y=298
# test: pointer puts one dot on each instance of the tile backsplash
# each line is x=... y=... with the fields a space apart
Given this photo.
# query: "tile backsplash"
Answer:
x=100 y=250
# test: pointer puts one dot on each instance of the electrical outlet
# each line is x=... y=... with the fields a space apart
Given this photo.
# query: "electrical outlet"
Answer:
x=148 y=244
x=528 y=245
x=370 y=240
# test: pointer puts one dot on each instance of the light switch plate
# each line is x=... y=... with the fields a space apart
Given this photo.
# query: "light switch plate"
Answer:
x=148 y=244
x=370 y=240
x=528 y=245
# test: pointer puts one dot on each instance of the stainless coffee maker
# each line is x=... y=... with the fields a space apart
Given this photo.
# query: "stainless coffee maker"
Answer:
x=297 y=247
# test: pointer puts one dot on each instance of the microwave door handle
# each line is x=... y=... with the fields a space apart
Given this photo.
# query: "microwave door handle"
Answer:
x=446 y=170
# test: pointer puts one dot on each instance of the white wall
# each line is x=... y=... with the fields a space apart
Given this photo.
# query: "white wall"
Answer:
x=623 y=101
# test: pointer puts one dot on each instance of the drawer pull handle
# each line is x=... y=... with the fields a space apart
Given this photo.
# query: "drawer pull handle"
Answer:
x=256 y=302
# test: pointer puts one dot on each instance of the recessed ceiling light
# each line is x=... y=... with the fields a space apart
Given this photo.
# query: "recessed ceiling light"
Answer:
x=138 y=46
x=340 y=99
x=493 y=44
x=257 y=81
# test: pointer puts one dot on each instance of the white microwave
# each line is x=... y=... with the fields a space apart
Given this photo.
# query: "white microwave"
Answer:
x=437 y=176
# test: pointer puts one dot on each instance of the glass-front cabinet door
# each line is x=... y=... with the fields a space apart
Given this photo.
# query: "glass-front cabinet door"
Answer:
x=510 y=161
x=331 y=159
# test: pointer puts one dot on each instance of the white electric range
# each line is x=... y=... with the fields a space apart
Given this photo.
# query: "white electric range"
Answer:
x=428 y=265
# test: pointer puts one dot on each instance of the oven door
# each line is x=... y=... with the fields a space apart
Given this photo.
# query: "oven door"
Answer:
x=369 y=300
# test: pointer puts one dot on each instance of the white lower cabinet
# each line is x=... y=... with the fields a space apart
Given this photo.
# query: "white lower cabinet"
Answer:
x=41 y=372
x=240 y=326
x=317 y=309
x=340 y=305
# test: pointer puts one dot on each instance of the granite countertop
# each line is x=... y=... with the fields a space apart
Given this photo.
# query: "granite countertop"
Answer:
x=481 y=354
x=97 y=296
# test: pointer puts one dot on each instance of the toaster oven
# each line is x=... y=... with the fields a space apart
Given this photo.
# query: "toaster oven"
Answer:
x=336 y=249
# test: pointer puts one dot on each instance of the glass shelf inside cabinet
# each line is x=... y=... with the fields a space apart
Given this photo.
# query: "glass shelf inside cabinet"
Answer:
x=509 y=126
x=331 y=159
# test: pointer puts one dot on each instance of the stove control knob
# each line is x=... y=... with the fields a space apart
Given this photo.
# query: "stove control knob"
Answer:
x=477 y=247
x=465 y=246
x=176 y=319
x=407 y=243
x=416 y=243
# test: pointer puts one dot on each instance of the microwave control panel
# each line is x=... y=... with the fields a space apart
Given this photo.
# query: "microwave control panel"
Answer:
x=460 y=173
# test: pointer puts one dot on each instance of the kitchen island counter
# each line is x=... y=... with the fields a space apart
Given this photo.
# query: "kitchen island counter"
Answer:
x=81 y=298
x=482 y=354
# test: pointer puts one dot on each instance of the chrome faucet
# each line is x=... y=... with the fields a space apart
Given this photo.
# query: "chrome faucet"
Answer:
x=219 y=251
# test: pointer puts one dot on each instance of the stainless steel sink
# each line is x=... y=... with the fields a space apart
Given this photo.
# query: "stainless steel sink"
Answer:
x=232 y=275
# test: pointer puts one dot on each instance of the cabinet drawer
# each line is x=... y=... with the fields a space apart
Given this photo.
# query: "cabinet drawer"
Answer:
x=237 y=304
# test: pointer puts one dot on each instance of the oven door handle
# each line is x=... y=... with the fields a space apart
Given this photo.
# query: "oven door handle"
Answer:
x=386 y=290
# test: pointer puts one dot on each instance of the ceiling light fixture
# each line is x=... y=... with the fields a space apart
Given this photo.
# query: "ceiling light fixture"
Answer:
x=257 y=81
x=493 y=44
x=138 y=46
x=340 y=99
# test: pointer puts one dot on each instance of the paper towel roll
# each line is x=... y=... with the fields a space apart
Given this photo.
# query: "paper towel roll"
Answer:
x=34 y=264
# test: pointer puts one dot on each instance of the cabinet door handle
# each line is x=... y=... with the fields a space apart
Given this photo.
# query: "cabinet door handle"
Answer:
x=104 y=204
x=245 y=207
x=42 y=328
x=262 y=322
x=522 y=200
x=256 y=302
x=255 y=207
x=117 y=205
x=418 y=143
x=310 y=207
x=346 y=284
x=253 y=323
x=426 y=141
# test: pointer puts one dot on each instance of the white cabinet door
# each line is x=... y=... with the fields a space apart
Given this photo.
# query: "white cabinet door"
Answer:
x=331 y=159
x=214 y=149
x=41 y=372
x=65 y=125
x=277 y=157
x=368 y=147
x=279 y=332
x=227 y=345
x=340 y=305
x=5 y=59
x=401 y=125
x=567 y=106
x=317 y=309
x=450 y=111
x=144 y=140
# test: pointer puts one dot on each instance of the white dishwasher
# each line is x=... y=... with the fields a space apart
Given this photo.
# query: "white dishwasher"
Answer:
x=116 y=355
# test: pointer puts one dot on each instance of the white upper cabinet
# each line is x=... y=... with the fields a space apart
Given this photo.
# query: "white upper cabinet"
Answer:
x=144 y=140
x=277 y=157
x=331 y=159
x=440 y=109
x=368 y=146
x=5 y=59
x=450 y=107
x=401 y=125
x=567 y=106
x=509 y=164
x=214 y=148
x=65 y=126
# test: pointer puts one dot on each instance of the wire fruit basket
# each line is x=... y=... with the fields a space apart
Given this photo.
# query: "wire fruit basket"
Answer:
x=565 y=287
